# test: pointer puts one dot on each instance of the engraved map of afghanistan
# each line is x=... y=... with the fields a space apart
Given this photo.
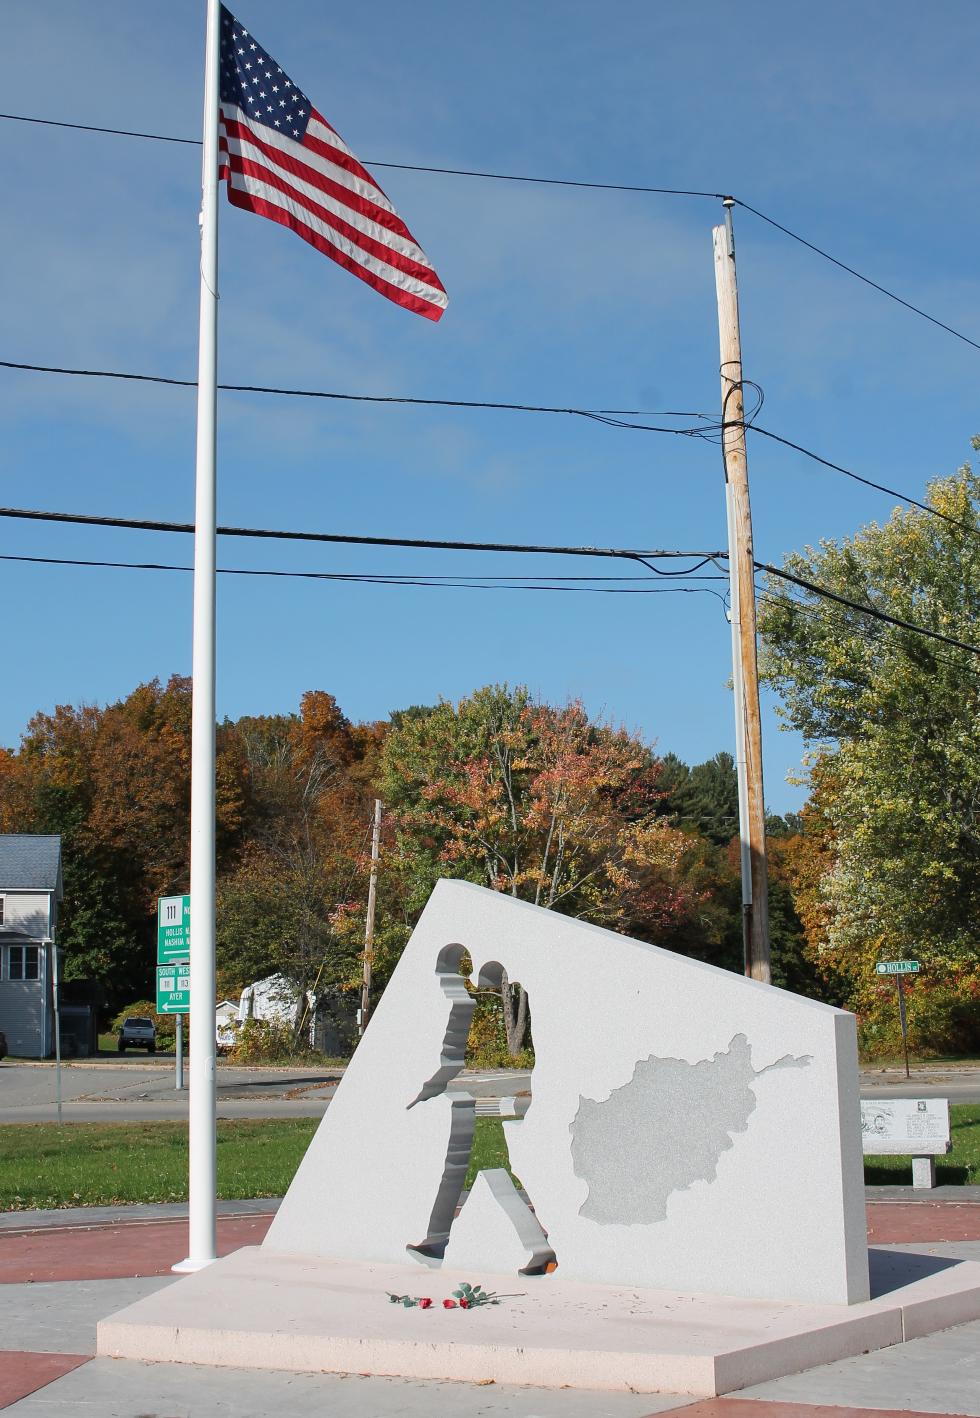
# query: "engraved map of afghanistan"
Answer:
x=663 y=1130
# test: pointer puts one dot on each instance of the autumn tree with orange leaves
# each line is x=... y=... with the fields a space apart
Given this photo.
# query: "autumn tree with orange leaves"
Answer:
x=546 y=803
x=115 y=783
x=306 y=853
x=543 y=803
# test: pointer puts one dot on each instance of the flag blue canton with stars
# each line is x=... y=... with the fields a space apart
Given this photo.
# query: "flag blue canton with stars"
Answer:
x=253 y=81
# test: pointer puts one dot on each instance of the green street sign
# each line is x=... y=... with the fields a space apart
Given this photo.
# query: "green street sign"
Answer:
x=173 y=929
x=173 y=989
x=897 y=967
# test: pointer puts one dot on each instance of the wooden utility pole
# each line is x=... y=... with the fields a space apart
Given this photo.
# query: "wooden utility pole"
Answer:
x=369 y=926
x=745 y=677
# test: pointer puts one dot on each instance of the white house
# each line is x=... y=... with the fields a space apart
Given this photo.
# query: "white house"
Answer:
x=225 y=1024
x=30 y=891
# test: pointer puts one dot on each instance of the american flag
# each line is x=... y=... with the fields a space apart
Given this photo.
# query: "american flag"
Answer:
x=282 y=160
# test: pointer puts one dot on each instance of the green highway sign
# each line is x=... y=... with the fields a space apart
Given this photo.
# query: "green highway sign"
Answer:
x=173 y=929
x=897 y=967
x=173 y=989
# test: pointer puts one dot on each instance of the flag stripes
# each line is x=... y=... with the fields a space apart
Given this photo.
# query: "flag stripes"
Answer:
x=244 y=192
x=311 y=179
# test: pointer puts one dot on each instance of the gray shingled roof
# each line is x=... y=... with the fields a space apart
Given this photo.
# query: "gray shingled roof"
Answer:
x=29 y=862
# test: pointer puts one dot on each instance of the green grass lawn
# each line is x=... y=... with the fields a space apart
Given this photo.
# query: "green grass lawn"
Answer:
x=957 y=1168
x=101 y=1164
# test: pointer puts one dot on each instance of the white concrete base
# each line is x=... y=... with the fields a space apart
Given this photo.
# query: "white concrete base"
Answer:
x=260 y=1310
x=190 y=1266
x=923 y=1171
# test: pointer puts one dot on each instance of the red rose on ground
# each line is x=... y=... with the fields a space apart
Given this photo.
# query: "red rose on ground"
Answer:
x=449 y=1304
x=424 y=1303
x=464 y=1304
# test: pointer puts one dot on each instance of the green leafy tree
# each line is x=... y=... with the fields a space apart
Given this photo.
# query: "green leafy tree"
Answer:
x=892 y=718
x=704 y=800
x=707 y=799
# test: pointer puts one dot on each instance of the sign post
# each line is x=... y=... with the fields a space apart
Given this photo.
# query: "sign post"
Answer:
x=57 y=1021
x=900 y=968
x=174 y=949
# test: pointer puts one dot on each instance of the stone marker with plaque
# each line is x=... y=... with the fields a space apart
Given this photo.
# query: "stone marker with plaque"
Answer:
x=907 y=1127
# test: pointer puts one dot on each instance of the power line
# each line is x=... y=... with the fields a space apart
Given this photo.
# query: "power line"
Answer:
x=550 y=182
x=857 y=274
x=867 y=482
x=92 y=128
x=871 y=611
x=400 y=166
x=863 y=632
x=443 y=583
x=613 y=418
x=707 y=429
x=645 y=557
x=424 y=543
x=490 y=584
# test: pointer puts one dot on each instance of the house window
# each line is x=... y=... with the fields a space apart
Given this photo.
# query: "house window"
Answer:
x=23 y=962
x=2 y=899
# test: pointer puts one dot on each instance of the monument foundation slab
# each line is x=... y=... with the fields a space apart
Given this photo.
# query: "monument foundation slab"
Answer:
x=263 y=1310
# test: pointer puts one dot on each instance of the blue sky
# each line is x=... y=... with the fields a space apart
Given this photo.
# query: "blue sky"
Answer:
x=855 y=125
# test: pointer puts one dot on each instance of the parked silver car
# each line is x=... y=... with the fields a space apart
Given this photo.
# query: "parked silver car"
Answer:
x=137 y=1033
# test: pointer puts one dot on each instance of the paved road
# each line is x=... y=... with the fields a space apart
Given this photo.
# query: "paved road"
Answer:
x=959 y=1085
x=127 y=1091
x=137 y=1090
x=131 y=1091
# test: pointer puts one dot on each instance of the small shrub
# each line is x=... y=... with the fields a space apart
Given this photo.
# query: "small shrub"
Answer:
x=487 y=1044
x=266 y=1041
x=500 y=1058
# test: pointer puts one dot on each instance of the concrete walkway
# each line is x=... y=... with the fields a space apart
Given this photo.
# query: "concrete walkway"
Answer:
x=60 y=1272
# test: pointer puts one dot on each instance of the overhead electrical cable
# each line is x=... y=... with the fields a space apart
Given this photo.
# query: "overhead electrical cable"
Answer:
x=442 y=583
x=867 y=482
x=548 y=182
x=643 y=555
x=614 y=418
x=708 y=429
x=819 y=251
x=94 y=128
x=867 y=633
x=826 y=594
x=399 y=166
x=646 y=557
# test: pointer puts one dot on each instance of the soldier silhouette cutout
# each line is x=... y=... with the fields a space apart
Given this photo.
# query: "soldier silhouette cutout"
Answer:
x=452 y=1057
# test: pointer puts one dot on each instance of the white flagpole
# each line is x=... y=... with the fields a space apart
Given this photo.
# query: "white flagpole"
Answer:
x=203 y=1237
